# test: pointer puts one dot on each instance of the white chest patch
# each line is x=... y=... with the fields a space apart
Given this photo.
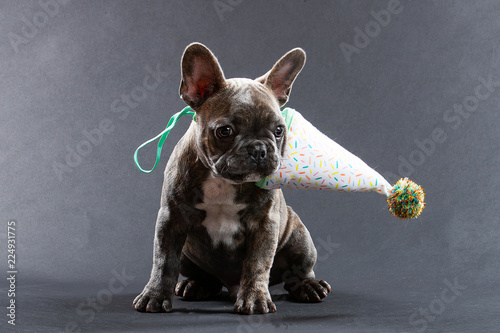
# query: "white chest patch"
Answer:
x=222 y=220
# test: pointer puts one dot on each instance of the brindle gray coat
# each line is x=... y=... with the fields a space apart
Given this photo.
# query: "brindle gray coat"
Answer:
x=215 y=226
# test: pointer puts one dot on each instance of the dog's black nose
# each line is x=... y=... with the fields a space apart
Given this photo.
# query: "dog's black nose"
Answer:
x=257 y=152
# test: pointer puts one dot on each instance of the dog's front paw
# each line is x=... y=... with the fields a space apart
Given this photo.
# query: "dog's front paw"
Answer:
x=153 y=299
x=254 y=301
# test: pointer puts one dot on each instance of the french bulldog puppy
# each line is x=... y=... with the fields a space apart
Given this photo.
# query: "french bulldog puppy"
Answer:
x=215 y=226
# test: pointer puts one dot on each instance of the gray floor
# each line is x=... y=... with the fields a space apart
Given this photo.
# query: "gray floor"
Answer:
x=59 y=307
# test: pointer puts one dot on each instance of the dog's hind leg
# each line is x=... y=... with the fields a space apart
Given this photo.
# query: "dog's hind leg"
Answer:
x=294 y=264
x=199 y=284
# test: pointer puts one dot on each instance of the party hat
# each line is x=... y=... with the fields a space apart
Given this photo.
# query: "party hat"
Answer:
x=314 y=161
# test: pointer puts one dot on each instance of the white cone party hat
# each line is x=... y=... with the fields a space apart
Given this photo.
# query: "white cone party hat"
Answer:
x=314 y=161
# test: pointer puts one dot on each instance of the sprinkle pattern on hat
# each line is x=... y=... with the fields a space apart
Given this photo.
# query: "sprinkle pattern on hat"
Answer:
x=314 y=161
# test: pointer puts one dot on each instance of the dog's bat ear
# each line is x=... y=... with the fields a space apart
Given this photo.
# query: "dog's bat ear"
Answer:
x=280 y=78
x=202 y=75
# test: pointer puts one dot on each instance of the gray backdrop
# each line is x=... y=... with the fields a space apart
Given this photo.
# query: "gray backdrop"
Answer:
x=412 y=87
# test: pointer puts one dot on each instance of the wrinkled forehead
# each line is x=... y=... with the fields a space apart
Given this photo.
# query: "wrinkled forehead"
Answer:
x=249 y=93
x=250 y=103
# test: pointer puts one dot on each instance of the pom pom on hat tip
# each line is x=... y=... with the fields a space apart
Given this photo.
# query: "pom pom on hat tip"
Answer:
x=407 y=199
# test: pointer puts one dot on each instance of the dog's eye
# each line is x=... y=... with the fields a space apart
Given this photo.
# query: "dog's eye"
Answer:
x=279 y=131
x=224 y=132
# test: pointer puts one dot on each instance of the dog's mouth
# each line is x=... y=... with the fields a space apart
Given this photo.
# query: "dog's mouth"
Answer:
x=251 y=177
x=240 y=179
x=246 y=172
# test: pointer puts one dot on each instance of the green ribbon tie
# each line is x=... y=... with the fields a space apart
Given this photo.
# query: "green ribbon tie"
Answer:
x=163 y=135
